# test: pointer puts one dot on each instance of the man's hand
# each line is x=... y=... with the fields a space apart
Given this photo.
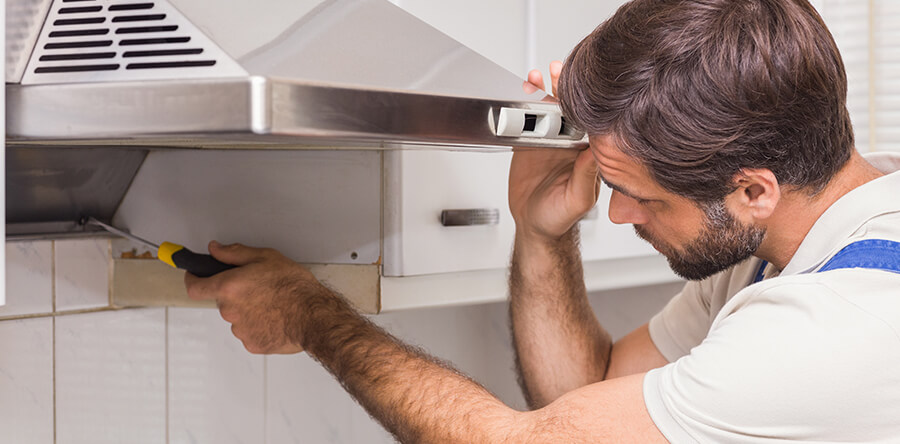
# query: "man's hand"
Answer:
x=264 y=299
x=551 y=189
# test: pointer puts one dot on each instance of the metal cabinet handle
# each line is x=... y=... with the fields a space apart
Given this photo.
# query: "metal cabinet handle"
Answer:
x=478 y=216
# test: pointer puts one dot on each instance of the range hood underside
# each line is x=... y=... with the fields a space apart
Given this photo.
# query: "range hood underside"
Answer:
x=259 y=112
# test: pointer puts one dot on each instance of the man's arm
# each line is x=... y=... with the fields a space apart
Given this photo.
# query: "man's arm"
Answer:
x=560 y=346
x=277 y=306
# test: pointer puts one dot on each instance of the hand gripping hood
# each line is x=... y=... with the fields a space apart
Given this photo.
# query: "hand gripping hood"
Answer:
x=242 y=74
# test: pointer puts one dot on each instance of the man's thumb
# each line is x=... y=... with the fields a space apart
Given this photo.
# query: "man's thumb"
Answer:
x=586 y=181
x=234 y=254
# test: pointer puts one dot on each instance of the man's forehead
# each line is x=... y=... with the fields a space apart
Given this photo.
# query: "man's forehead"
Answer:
x=622 y=172
x=607 y=151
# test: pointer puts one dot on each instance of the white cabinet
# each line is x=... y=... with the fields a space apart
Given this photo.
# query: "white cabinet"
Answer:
x=427 y=264
x=419 y=185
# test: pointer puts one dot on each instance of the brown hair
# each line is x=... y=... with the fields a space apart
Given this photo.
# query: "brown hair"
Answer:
x=699 y=89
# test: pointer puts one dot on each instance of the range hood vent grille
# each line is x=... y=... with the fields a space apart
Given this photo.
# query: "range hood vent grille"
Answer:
x=115 y=40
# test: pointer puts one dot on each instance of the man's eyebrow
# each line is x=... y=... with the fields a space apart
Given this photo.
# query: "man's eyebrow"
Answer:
x=621 y=190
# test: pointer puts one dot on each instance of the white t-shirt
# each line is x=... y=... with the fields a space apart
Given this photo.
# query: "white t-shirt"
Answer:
x=801 y=357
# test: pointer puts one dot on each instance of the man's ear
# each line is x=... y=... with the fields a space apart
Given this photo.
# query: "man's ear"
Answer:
x=755 y=196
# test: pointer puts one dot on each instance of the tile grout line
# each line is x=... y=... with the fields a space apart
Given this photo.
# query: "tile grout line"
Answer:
x=53 y=351
x=110 y=273
x=56 y=314
x=166 y=335
x=265 y=385
x=53 y=330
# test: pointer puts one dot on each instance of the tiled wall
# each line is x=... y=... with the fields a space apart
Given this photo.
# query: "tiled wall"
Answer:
x=87 y=374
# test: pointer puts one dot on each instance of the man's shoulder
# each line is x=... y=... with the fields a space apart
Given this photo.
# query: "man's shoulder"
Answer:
x=856 y=291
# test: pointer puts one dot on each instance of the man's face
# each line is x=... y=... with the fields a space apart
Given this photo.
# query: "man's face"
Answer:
x=697 y=242
x=723 y=241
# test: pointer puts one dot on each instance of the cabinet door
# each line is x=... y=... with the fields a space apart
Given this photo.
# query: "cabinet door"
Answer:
x=422 y=184
x=419 y=185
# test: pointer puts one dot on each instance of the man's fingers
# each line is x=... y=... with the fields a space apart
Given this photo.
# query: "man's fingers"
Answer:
x=536 y=78
x=236 y=254
x=229 y=313
x=555 y=71
x=201 y=289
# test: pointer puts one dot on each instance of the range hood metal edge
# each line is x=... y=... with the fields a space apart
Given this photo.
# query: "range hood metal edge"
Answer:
x=258 y=112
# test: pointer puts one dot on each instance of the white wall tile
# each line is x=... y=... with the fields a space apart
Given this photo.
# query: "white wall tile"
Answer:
x=29 y=278
x=495 y=29
x=306 y=405
x=26 y=381
x=82 y=273
x=111 y=377
x=216 y=388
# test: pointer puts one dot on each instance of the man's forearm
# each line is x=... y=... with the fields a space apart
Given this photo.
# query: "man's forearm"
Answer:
x=559 y=344
x=416 y=397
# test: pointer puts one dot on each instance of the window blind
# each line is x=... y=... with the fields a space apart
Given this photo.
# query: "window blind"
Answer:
x=848 y=21
x=886 y=74
x=867 y=33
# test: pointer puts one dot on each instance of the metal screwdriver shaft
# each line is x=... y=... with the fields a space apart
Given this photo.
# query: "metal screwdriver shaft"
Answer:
x=202 y=265
x=125 y=234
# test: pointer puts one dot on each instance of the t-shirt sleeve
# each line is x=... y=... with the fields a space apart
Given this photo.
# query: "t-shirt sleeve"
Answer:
x=780 y=367
x=683 y=322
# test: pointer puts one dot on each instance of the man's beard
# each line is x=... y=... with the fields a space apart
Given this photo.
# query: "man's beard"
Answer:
x=723 y=242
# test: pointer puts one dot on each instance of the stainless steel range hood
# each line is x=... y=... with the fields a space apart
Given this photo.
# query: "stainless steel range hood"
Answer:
x=349 y=72
x=93 y=85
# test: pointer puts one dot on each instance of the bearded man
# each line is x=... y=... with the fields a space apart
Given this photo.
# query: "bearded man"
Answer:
x=721 y=127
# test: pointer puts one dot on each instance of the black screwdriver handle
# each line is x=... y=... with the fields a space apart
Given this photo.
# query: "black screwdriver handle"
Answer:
x=201 y=265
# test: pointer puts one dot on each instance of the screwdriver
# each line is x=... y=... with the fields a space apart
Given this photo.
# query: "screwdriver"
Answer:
x=201 y=265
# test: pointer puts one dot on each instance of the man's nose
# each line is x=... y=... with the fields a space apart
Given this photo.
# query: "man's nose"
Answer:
x=625 y=210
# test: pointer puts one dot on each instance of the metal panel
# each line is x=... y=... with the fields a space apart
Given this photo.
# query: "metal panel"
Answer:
x=257 y=112
x=314 y=206
x=375 y=44
x=24 y=19
x=62 y=184
x=103 y=111
x=105 y=40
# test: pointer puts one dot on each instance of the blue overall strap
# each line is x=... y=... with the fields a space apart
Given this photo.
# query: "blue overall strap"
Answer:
x=878 y=254
x=761 y=272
